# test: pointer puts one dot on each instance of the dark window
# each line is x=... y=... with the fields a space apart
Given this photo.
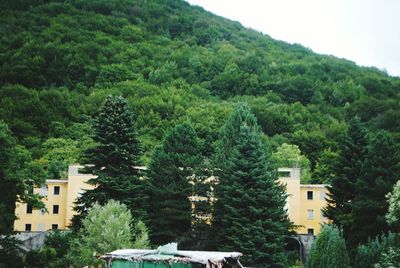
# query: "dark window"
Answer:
x=309 y=195
x=55 y=209
x=56 y=190
x=54 y=226
x=29 y=209
x=28 y=227
x=310 y=231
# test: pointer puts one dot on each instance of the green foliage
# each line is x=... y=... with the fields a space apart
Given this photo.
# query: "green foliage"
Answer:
x=114 y=160
x=393 y=214
x=172 y=166
x=141 y=236
x=104 y=229
x=41 y=257
x=241 y=115
x=348 y=170
x=17 y=174
x=380 y=173
x=390 y=258
x=370 y=253
x=57 y=243
x=9 y=252
x=329 y=250
x=288 y=155
x=249 y=214
x=324 y=170
x=172 y=62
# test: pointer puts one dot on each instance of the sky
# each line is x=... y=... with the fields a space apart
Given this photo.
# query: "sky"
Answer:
x=364 y=31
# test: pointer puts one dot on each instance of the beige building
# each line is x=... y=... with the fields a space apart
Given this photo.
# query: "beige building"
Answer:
x=304 y=202
x=59 y=197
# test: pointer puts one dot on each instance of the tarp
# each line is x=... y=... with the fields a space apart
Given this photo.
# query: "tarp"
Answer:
x=169 y=256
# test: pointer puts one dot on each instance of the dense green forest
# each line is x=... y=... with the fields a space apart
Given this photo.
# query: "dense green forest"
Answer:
x=174 y=62
x=182 y=71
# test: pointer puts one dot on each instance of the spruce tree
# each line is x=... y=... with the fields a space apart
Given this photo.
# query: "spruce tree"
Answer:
x=113 y=160
x=347 y=171
x=380 y=172
x=170 y=171
x=249 y=214
x=240 y=115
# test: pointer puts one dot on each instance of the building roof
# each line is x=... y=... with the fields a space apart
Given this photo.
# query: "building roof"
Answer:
x=171 y=254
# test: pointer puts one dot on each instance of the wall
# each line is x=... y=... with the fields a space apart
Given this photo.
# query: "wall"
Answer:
x=42 y=220
x=298 y=203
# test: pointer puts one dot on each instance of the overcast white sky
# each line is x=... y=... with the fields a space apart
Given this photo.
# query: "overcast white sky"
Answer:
x=364 y=31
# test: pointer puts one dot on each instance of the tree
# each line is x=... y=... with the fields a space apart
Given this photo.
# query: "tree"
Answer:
x=324 y=170
x=114 y=160
x=370 y=253
x=393 y=214
x=104 y=229
x=347 y=170
x=17 y=176
x=240 y=115
x=249 y=214
x=329 y=250
x=288 y=155
x=170 y=171
x=379 y=174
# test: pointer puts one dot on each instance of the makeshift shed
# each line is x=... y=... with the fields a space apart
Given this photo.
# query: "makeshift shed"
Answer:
x=168 y=256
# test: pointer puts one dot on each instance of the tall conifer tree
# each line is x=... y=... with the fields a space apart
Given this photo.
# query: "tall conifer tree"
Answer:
x=380 y=172
x=240 y=115
x=114 y=160
x=347 y=171
x=249 y=213
x=170 y=171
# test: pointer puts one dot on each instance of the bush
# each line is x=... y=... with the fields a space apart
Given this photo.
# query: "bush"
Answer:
x=329 y=250
x=371 y=253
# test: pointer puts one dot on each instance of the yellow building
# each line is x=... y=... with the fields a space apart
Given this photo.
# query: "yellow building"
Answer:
x=304 y=202
x=59 y=197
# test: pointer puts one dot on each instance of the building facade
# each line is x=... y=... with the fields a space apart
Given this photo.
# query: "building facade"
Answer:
x=304 y=202
x=59 y=197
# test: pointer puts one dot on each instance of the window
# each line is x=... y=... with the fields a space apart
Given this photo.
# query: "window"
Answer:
x=322 y=195
x=310 y=214
x=56 y=190
x=309 y=195
x=55 y=209
x=28 y=227
x=29 y=209
x=43 y=190
x=41 y=227
x=54 y=226
x=310 y=231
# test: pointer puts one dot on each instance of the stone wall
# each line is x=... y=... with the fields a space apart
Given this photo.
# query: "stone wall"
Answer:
x=31 y=240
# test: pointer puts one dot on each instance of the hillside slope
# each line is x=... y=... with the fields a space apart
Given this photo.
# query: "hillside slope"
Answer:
x=174 y=62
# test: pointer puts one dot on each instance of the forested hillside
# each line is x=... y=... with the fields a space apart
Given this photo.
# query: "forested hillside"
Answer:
x=174 y=63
